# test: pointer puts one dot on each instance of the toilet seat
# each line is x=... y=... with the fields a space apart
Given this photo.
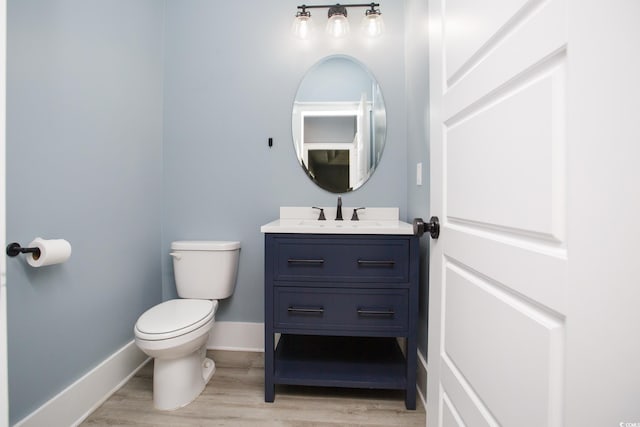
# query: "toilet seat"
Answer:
x=174 y=318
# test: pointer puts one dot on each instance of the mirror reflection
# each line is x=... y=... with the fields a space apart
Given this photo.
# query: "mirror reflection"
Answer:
x=339 y=124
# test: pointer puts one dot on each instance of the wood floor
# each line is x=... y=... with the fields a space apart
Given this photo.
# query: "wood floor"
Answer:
x=235 y=397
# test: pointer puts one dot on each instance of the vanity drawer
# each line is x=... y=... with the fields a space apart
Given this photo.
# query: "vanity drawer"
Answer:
x=375 y=310
x=353 y=259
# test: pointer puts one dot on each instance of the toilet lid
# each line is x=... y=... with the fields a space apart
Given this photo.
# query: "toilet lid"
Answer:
x=204 y=245
x=174 y=318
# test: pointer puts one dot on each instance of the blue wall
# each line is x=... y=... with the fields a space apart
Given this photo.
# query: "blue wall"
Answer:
x=84 y=145
x=227 y=90
x=417 y=71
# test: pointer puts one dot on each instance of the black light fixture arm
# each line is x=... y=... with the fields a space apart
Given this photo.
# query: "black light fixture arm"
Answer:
x=318 y=6
x=337 y=6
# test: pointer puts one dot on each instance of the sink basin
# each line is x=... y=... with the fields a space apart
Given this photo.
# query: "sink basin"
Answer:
x=304 y=220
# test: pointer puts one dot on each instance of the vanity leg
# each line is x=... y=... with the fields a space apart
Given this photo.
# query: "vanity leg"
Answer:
x=269 y=367
x=269 y=392
x=412 y=364
x=269 y=347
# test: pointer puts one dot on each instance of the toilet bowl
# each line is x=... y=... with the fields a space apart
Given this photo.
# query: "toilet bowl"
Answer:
x=175 y=332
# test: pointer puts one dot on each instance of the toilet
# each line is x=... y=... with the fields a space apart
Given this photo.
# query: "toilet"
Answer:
x=175 y=332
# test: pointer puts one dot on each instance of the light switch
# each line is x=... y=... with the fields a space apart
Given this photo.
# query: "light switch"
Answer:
x=419 y=173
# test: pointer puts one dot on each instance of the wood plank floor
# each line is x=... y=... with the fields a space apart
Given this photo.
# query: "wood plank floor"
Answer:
x=235 y=397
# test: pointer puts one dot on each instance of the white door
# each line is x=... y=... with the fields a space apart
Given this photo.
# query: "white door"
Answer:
x=4 y=394
x=534 y=301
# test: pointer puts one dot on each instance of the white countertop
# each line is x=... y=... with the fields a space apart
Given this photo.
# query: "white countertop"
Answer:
x=305 y=220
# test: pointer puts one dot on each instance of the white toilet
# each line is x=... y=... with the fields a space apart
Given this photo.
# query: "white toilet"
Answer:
x=176 y=332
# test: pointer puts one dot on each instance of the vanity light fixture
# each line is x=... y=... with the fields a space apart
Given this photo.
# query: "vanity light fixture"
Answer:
x=338 y=25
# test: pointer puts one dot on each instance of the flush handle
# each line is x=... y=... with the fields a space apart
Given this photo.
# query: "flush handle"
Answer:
x=177 y=256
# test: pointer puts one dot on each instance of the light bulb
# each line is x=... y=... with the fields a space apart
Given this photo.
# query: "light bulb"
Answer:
x=338 y=25
x=372 y=24
x=301 y=27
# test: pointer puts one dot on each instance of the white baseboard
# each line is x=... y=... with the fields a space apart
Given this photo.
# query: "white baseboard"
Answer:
x=236 y=336
x=421 y=382
x=75 y=403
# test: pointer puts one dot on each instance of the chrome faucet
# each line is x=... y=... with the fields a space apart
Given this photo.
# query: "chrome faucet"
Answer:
x=339 y=209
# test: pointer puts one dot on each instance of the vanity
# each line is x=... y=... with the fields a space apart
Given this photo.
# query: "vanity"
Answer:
x=341 y=301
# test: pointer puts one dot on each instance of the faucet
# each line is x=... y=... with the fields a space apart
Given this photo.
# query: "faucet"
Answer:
x=321 y=217
x=354 y=217
x=339 y=209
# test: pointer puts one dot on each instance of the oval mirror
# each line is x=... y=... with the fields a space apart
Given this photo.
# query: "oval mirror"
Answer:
x=339 y=124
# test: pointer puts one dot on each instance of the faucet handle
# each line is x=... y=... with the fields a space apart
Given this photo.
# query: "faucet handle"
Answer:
x=321 y=217
x=354 y=217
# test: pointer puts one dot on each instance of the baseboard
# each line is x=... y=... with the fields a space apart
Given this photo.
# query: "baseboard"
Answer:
x=75 y=403
x=237 y=336
x=421 y=377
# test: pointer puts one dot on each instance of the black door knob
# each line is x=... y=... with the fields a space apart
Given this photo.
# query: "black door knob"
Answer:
x=432 y=227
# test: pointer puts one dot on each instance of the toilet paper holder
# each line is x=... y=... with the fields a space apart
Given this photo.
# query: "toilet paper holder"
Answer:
x=14 y=249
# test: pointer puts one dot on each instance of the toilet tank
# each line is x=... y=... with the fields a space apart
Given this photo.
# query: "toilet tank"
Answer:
x=205 y=269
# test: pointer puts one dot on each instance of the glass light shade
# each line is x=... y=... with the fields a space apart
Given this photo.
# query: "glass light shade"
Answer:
x=301 y=27
x=372 y=25
x=338 y=26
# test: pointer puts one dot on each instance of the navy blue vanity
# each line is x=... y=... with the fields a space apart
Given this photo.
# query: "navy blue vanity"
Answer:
x=338 y=303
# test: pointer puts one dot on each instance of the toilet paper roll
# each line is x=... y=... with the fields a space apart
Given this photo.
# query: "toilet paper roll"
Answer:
x=53 y=251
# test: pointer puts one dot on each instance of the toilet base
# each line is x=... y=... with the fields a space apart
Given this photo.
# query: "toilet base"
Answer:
x=177 y=382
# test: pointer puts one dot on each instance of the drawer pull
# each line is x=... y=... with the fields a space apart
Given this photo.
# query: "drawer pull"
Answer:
x=306 y=310
x=373 y=263
x=363 y=312
x=305 y=261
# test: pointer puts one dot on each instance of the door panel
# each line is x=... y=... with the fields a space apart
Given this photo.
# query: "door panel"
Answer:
x=468 y=406
x=503 y=163
x=532 y=270
x=450 y=417
x=493 y=336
